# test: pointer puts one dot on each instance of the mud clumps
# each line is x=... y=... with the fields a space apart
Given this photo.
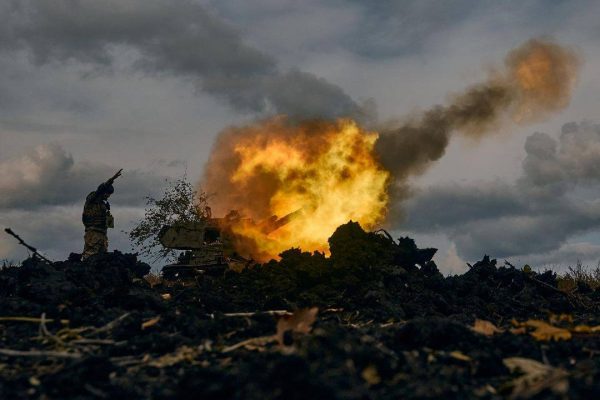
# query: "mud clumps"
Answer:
x=96 y=289
x=389 y=326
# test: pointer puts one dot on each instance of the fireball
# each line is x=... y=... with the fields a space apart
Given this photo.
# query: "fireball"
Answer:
x=324 y=172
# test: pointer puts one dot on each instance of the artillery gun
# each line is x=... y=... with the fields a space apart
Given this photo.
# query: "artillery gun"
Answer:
x=198 y=256
x=207 y=244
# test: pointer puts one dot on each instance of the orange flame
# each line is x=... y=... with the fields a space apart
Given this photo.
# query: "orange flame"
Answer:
x=327 y=170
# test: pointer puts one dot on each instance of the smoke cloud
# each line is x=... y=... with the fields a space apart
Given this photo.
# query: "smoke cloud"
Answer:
x=537 y=79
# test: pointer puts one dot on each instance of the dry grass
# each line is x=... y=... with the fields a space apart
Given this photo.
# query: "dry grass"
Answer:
x=580 y=276
x=8 y=264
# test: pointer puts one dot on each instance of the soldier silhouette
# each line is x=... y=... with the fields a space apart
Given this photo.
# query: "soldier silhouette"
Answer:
x=97 y=218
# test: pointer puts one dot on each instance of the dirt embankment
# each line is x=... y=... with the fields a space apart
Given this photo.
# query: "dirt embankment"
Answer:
x=385 y=329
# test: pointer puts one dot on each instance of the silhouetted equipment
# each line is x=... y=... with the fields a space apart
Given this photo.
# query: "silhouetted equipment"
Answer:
x=28 y=247
x=273 y=223
x=203 y=249
x=207 y=244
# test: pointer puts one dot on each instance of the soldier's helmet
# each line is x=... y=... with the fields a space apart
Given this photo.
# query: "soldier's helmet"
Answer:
x=110 y=189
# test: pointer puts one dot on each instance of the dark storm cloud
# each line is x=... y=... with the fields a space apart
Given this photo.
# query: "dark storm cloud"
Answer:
x=486 y=201
x=552 y=201
x=390 y=28
x=48 y=175
x=173 y=38
x=510 y=236
x=556 y=166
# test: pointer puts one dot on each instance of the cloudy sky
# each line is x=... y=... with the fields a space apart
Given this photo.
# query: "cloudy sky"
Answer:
x=87 y=87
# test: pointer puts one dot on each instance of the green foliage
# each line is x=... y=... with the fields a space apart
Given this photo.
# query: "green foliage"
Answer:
x=180 y=202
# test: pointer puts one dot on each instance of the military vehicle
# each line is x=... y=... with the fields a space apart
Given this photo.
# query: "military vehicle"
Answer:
x=207 y=244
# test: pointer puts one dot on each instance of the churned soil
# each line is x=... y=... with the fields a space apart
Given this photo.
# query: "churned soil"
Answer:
x=388 y=326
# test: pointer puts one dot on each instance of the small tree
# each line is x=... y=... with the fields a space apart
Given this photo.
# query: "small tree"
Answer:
x=180 y=202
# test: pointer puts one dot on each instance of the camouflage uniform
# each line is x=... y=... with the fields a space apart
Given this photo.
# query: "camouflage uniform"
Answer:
x=96 y=218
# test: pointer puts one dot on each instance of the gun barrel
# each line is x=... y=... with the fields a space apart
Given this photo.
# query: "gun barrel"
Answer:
x=275 y=223
x=28 y=247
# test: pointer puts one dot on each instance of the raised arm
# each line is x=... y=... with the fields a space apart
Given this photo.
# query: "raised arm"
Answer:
x=104 y=185
x=112 y=179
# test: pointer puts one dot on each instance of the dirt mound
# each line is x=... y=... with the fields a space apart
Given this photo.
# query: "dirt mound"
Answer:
x=389 y=326
x=382 y=279
x=91 y=291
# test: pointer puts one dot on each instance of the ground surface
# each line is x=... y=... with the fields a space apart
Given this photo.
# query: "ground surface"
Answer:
x=384 y=329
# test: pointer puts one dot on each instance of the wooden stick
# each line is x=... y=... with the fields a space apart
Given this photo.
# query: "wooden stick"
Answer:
x=31 y=319
x=547 y=286
x=257 y=341
x=277 y=313
x=38 y=353
x=92 y=341
x=111 y=325
x=44 y=332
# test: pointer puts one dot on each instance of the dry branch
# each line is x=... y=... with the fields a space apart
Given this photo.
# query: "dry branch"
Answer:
x=31 y=319
x=38 y=353
x=276 y=313
x=111 y=325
